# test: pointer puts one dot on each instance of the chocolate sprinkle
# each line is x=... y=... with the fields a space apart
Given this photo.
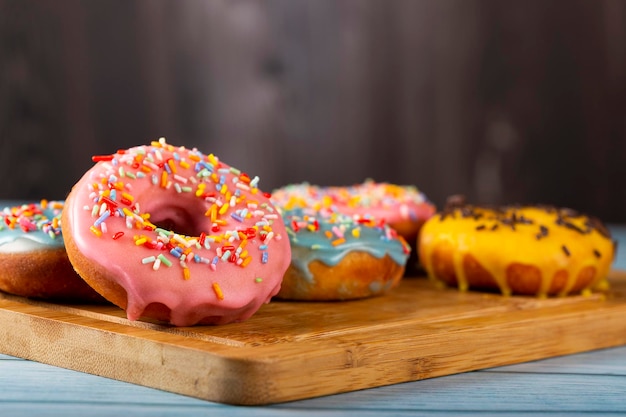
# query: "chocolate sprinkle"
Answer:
x=595 y=223
x=543 y=232
x=572 y=226
x=565 y=250
x=509 y=222
x=509 y=215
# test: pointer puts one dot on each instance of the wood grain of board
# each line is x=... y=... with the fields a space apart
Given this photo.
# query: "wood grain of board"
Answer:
x=296 y=350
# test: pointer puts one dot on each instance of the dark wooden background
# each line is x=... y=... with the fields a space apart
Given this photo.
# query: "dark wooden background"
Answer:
x=503 y=101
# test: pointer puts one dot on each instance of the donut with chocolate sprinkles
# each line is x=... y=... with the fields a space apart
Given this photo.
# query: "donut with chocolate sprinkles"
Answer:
x=516 y=250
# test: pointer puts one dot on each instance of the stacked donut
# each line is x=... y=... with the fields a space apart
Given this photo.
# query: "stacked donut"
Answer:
x=348 y=242
x=402 y=207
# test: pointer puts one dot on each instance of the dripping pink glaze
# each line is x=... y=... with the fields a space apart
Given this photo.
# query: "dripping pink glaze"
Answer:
x=192 y=300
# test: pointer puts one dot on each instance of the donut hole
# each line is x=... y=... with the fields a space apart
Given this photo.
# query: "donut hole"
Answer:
x=182 y=217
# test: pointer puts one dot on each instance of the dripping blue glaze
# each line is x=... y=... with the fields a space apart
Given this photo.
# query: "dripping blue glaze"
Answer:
x=307 y=245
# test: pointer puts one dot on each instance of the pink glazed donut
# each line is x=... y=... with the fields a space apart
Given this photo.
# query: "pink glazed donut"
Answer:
x=171 y=234
x=402 y=207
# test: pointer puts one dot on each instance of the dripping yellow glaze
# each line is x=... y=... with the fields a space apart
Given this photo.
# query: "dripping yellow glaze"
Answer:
x=553 y=247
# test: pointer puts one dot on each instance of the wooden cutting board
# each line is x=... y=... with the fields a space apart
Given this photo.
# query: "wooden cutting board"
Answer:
x=296 y=350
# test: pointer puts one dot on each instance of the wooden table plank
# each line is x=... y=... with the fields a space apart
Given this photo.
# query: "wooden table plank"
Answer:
x=597 y=362
x=69 y=393
x=490 y=392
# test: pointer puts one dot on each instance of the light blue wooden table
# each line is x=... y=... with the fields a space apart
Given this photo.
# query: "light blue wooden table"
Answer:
x=592 y=383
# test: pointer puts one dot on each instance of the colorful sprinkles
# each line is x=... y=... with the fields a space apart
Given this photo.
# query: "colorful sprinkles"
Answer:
x=327 y=236
x=229 y=195
x=337 y=228
x=369 y=195
x=44 y=216
x=326 y=223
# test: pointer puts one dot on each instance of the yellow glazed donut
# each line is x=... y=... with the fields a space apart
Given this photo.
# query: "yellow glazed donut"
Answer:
x=175 y=235
x=532 y=250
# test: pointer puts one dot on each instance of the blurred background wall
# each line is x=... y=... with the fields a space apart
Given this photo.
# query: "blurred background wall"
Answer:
x=503 y=101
